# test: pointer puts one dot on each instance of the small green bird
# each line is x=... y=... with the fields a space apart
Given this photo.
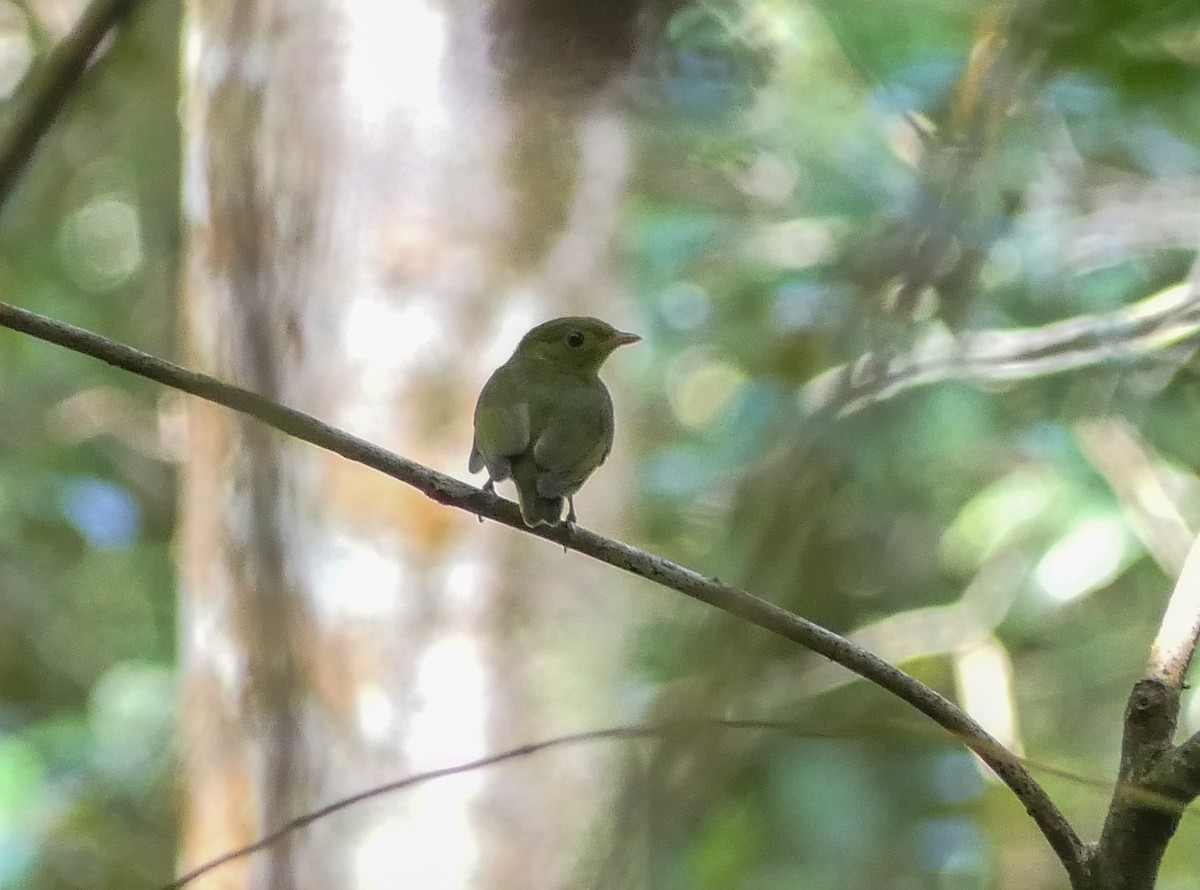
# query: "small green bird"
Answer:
x=544 y=418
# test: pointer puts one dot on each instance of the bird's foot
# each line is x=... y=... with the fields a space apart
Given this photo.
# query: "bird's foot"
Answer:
x=572 y=522
x=490 y=488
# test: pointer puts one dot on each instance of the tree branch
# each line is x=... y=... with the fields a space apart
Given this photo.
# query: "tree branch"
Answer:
x=1179 y=772
x=446 y=490
x=45 y=89
x=1156 y=780
x=1143 y=816
x=616 y=733
x=1168 y=318
x=1176 y=641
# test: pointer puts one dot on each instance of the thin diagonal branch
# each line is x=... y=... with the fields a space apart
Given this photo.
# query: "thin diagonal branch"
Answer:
x=632 y=732
x=293 y=825
x=48 y=85
x=444 y=489
x=615 y=733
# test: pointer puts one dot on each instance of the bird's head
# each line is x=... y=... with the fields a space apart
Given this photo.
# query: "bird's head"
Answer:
x=575 y=343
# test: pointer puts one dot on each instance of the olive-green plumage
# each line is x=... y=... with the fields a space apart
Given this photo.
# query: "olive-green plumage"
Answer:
x=544 y=418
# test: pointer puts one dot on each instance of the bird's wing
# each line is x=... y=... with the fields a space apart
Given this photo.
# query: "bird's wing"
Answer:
x=575 y=440
x=501 y=427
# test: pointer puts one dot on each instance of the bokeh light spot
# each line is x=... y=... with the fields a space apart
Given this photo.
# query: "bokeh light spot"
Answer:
x=996 y=515
x=954 y=847
x=797 y=243
x=701 y=387
x=132 y=721
x=684 y=306
x=1087 y=557
x=102 y=243
x=103 y=512
x=21 y=774
x=955 y=777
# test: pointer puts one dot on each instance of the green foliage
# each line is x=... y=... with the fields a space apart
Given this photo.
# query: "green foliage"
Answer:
x=86 y=499
x=1015 y=162
x=799 y=166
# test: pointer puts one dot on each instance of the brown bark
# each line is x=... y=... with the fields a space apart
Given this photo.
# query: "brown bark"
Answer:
x=369 y=230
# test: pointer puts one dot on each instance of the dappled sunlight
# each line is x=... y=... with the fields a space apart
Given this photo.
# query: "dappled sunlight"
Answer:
x=983 y=677
x=376 y=714
x=1088 y=556
x=425 y=843
x=446 y=723
x=385 y=342
x=429 y=840
x=395 y=65
x=216 y=653
x=355 y=578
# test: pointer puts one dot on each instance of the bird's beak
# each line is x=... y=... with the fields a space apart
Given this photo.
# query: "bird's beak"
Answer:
x=623 y=338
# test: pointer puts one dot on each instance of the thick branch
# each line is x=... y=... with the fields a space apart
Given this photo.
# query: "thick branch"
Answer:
x=1179 y=772
x=46 y=88
x=1143 y=814
x=452 y=492
x=1156 y=780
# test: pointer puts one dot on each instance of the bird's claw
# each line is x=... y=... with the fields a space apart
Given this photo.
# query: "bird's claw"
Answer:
x=490 y=488
x=571 y=522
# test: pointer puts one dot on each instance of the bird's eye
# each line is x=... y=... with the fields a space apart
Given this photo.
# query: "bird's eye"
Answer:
x=575 y=338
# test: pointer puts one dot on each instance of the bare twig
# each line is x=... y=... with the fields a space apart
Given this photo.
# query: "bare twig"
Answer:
x=47 y=87
x=631 y=732
x=1176 y=641
x=293 y=825
x=616 y=733
x=449 y=491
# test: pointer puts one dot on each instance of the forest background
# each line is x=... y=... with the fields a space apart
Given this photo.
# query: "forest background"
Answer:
x=996 y=205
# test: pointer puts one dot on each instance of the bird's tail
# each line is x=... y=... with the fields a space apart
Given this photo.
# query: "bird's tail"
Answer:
x=535 y=509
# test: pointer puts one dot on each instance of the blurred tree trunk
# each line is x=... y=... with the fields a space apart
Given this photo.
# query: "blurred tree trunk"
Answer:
x=379 y=198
